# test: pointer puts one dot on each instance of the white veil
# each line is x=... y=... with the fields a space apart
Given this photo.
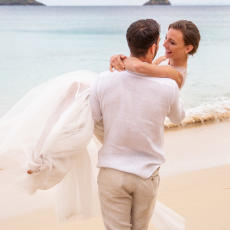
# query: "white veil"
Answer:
x=49 y=133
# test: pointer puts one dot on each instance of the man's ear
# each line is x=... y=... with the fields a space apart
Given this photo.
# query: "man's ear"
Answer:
x=153 y=48
x=188 y=49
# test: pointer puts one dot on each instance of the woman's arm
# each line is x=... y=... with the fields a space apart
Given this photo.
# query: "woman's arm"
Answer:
x=121 y=62
x=153 y=70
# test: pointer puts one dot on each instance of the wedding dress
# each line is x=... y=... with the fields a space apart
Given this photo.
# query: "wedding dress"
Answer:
x=47 y=140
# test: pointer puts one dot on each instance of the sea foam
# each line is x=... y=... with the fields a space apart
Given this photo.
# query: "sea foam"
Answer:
x=203 y=114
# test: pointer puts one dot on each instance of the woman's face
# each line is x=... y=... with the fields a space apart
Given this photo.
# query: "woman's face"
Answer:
x=174 y=44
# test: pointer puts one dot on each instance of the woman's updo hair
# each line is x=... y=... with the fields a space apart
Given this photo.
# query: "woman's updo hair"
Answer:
x=190 y=33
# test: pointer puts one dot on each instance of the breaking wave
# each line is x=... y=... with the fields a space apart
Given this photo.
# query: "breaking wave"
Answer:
x=211 y=112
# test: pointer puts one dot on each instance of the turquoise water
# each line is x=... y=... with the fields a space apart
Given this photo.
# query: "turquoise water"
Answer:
x=38 y=43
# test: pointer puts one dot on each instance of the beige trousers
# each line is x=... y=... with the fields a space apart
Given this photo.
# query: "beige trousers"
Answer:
x=127 y=200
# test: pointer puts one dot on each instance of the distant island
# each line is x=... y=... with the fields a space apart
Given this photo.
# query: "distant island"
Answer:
x=157 y=2
x=20 y=2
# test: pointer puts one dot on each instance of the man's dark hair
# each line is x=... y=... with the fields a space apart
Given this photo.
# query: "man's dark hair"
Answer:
x=141 y=35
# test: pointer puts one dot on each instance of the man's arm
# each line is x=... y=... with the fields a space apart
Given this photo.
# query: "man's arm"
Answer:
x=99 y=131
x=96 y=111
x=95 y=102
x=176 y=112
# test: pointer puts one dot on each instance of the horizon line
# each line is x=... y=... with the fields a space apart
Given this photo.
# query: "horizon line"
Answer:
x=135 y=5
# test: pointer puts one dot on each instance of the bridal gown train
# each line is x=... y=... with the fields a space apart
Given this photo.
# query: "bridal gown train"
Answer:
x=49 y=134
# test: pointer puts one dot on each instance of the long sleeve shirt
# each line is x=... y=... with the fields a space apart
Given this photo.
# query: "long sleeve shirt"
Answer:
x=133 y=109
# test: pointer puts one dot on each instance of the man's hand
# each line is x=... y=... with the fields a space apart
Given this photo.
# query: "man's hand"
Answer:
x=117 y=62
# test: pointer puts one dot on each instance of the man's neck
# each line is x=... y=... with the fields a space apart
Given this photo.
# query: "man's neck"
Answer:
x=143 y=59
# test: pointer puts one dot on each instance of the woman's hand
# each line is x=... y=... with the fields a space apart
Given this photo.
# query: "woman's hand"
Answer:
x=159 y=60
x=133 y=64
x=117 y=62
x=120 y=63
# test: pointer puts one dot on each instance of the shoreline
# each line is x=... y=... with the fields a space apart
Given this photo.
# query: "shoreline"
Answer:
x=203 y=115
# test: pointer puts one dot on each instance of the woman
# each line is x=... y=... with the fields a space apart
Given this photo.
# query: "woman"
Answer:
x=44 y=125
x=182 y=40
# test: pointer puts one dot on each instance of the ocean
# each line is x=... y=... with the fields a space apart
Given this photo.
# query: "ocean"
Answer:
x=38 y=43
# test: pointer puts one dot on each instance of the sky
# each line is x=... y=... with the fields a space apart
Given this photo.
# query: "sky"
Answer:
x=131 y=2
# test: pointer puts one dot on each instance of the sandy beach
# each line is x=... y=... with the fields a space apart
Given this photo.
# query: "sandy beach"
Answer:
x=194 y=182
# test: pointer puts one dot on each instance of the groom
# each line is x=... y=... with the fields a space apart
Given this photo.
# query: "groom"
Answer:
x=133 y=109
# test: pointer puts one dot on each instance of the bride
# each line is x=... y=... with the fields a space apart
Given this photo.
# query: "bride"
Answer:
x=47 y=137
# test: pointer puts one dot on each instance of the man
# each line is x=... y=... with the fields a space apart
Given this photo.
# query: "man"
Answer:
x=133 y=109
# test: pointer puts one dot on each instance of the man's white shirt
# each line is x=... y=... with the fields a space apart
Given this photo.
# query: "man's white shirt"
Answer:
x=133 y=109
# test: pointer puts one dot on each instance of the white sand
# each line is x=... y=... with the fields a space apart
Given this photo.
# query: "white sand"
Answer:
x=190 y=184
x=196 y=148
